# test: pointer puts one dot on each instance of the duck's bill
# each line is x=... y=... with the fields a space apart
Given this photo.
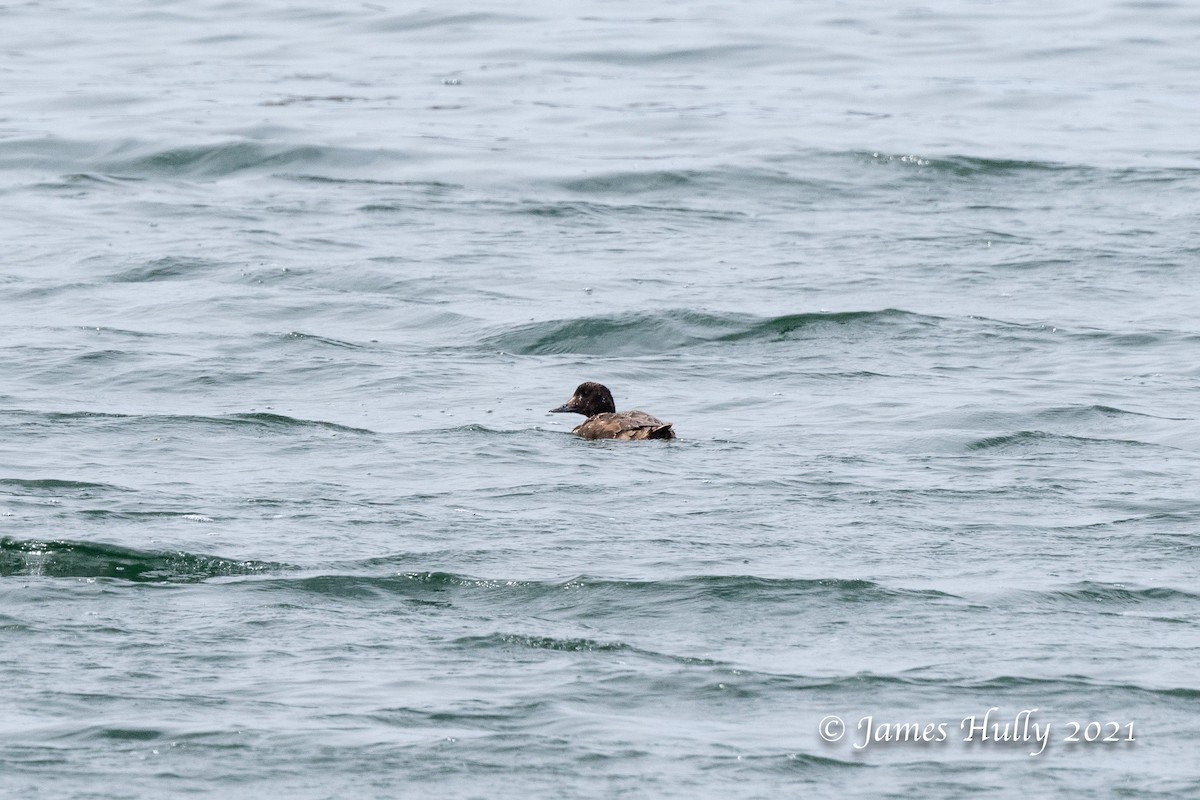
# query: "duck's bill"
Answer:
x=565 y=408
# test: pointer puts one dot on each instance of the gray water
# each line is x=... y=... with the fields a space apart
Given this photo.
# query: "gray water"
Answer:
x=286 y=291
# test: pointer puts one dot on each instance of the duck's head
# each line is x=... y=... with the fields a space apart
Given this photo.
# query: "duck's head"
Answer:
x=589 y=399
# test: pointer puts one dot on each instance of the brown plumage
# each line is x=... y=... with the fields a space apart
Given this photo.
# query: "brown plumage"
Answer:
x=595 y=402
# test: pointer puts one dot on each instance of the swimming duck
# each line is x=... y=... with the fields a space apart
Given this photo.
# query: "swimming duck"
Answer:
x=595 y=402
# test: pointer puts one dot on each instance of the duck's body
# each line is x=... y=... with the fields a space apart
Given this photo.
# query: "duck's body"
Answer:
x=603 y=421
x=627 y=425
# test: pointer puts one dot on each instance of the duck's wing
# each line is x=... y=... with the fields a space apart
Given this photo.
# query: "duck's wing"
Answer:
x=627 y=425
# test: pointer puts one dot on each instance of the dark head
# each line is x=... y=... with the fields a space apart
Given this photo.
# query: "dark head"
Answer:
x=589 y=399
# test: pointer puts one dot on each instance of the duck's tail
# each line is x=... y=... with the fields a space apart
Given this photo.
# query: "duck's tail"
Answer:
x=662 y=432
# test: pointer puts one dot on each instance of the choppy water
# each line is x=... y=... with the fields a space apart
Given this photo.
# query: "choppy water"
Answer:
x=286 y=290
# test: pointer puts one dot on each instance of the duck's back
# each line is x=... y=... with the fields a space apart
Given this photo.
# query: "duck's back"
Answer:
x=625 y=425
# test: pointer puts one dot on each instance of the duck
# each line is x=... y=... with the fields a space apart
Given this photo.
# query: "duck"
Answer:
x=595 y=402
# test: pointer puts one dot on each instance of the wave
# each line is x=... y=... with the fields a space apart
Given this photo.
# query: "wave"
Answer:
x=1028 y=440
x=602 y=213
x=564 y=645
x=312 y=338
x=260 y=421
x=425 y=19
x=815 y=176
x=1073 y=685
x=223 y=159
x=67 y=559
x=63 y=558
x=1095 y=594
x=167 y=268
x=1083 y=413
x=743 y=54
x=710 y=183
x=138 y=160
x=861 y=684
x=428 y=187
x=55 y=487
x=658 y=332
x=969 y=166
x=472 y=429
x=808 y=176
x=448 y=588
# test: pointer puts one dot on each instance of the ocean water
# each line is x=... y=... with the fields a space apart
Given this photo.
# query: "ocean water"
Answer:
x=286 y=290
